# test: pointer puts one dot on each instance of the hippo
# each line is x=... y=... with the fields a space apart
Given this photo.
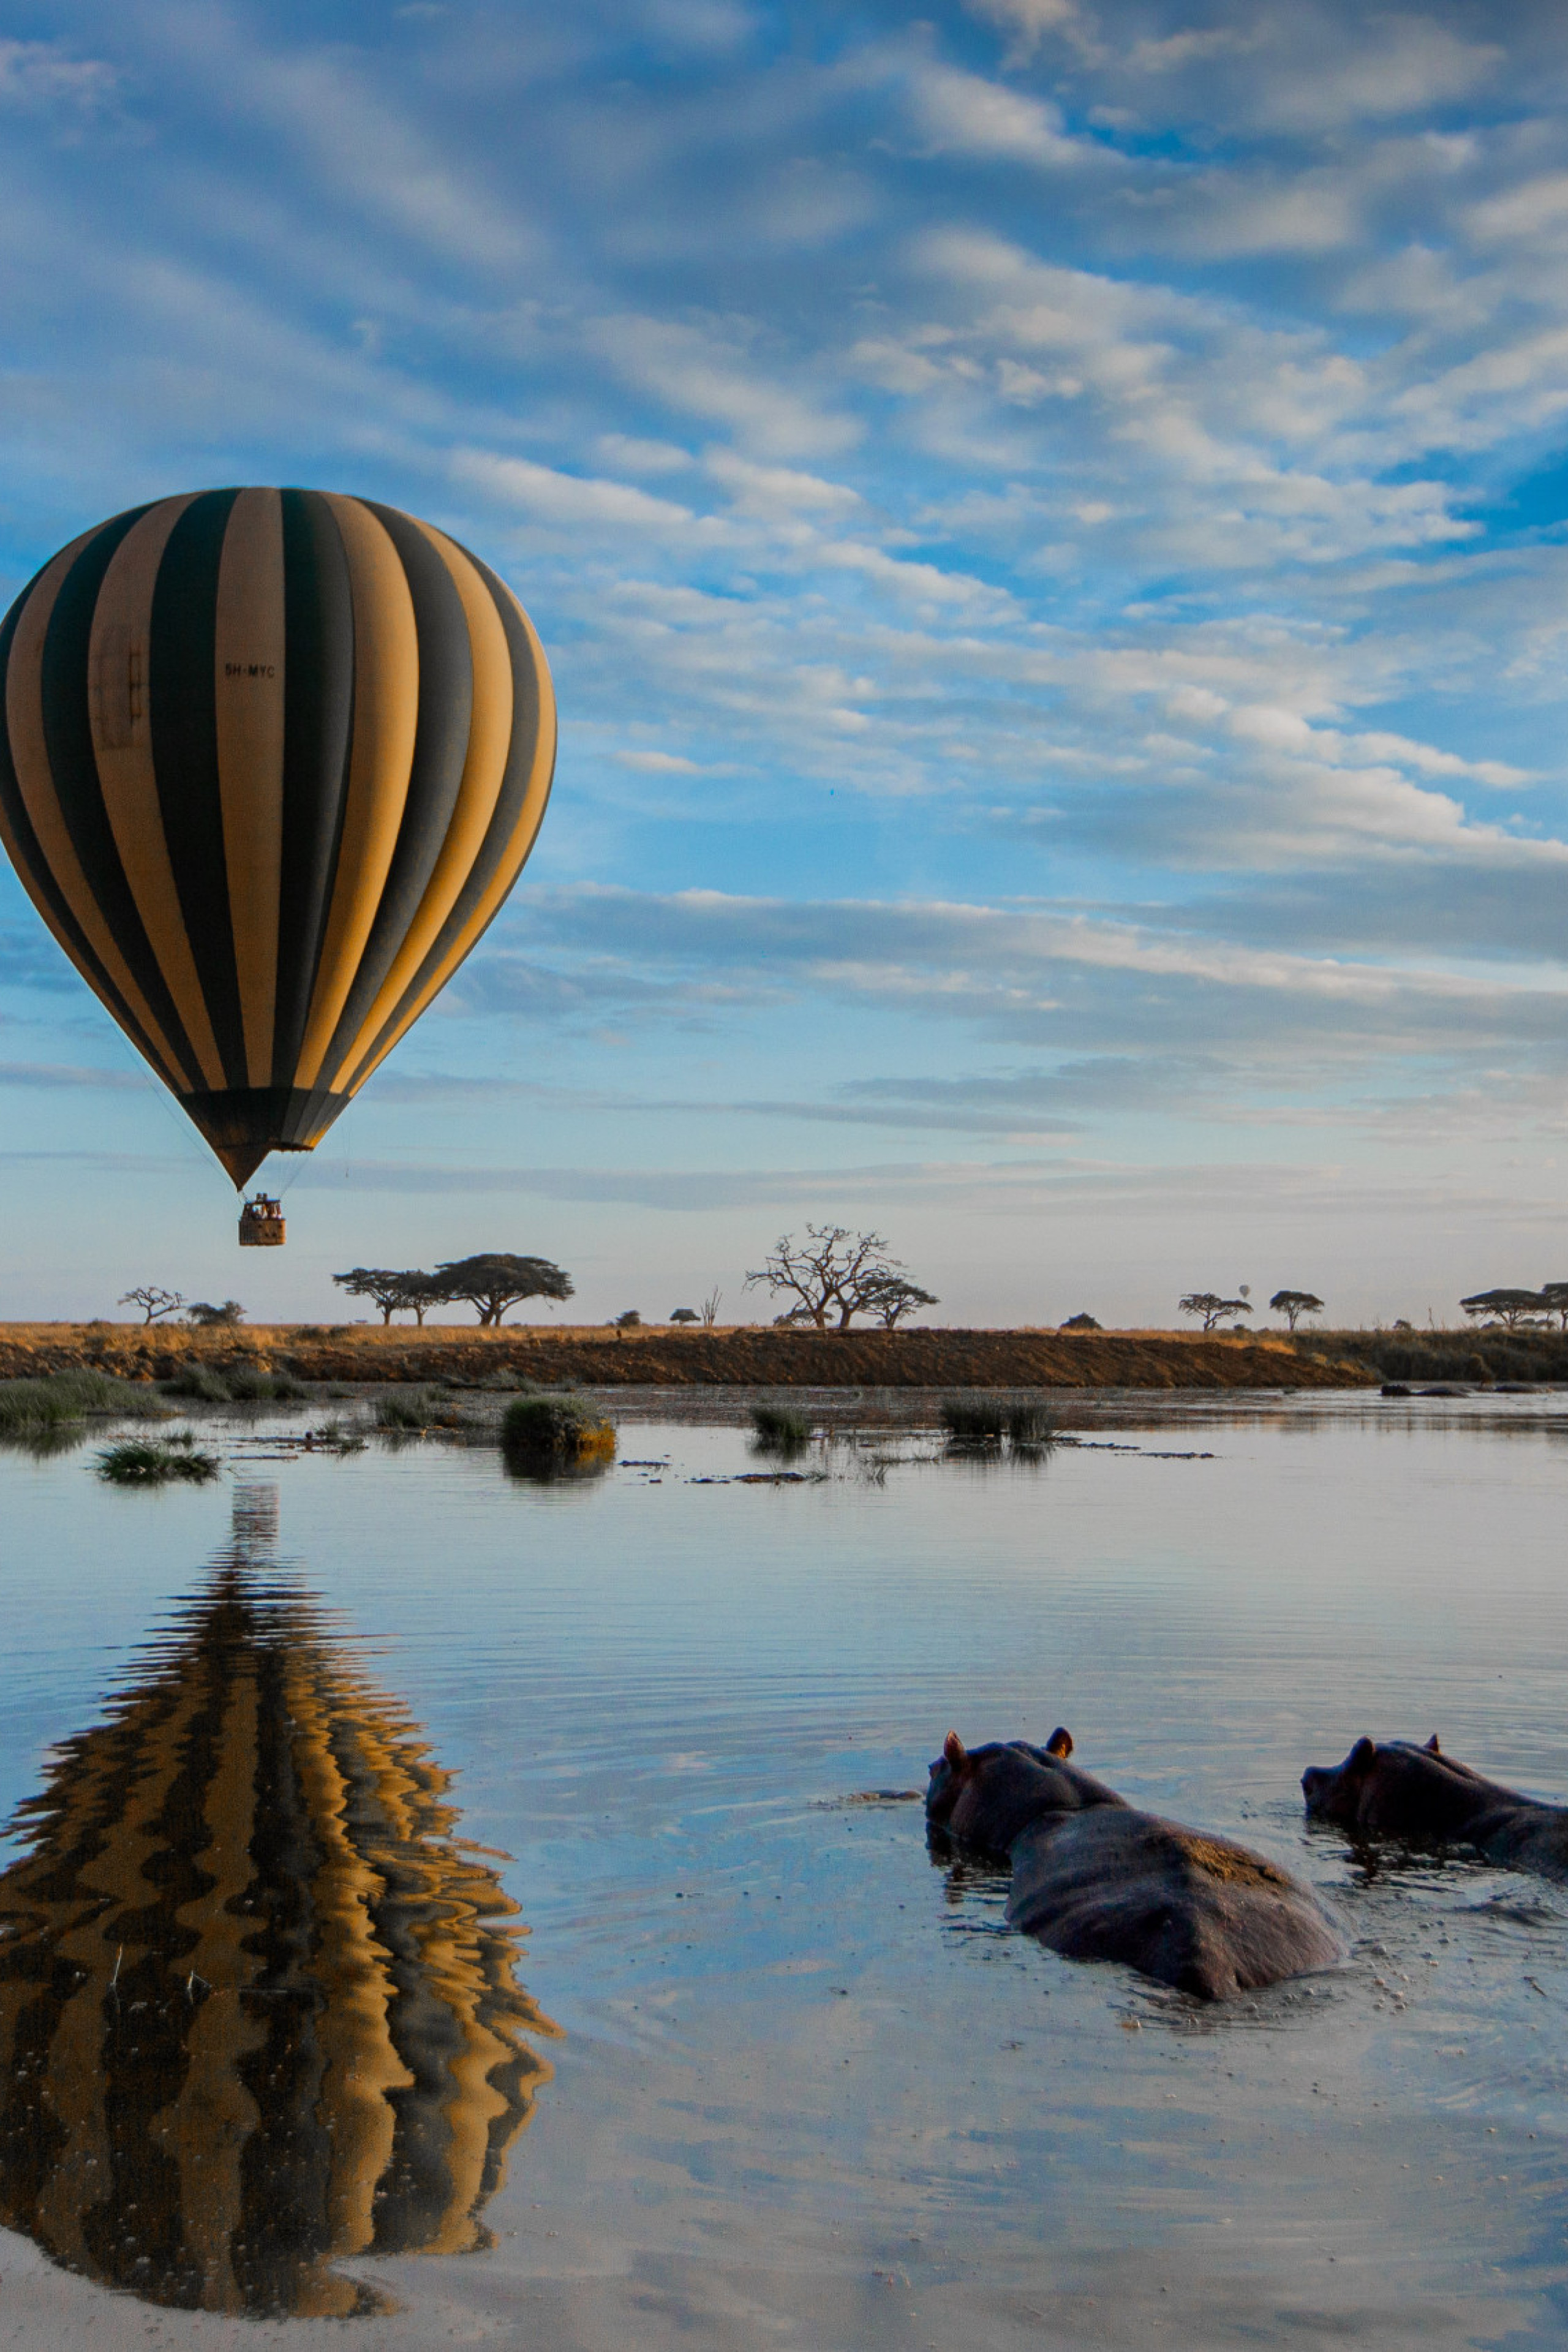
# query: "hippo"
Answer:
x=1095 y=1879
x=1398 y=1790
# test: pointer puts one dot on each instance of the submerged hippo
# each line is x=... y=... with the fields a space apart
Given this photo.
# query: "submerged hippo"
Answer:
x=1097 y=1880
x=1396 y=1789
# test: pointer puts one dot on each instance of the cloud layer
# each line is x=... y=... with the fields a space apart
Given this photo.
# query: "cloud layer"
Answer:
x=1049 y=523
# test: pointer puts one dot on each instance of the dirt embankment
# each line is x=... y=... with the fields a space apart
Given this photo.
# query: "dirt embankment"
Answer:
x=746 y=1357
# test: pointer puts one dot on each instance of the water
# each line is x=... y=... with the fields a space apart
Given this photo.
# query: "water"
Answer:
x=785 y=2080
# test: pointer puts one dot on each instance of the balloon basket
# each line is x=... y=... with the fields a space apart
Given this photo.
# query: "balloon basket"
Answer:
x=261 y=1224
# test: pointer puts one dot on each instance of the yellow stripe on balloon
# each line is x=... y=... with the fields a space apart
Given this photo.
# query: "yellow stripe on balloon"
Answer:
x=386 y=714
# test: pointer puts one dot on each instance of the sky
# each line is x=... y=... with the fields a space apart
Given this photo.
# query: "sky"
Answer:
x=1049 y=525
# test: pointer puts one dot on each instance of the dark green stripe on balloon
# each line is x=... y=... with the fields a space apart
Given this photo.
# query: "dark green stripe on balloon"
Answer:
x=183 y=715
x=73 y=763
x=35 y=875
x=318 y=730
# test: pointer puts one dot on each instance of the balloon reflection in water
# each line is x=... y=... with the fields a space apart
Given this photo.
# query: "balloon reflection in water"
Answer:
x=256 y=2003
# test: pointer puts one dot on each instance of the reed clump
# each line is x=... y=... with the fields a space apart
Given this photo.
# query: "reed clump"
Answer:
x=199 y=1383
x=157 y=1461
x=780 y=1428
x=414 y=1409
x=43 y=1407
x=984 y=1421
x=974 y=1421
x=555 y=1432
x=1031 y=1426
x=251 y=1386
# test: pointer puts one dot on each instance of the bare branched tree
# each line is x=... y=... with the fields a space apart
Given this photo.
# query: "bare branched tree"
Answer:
x=832 y=1269
x=153 y=1300
x=710 y=1306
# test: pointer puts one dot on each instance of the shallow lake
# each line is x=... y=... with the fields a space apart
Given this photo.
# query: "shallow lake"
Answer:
x=800 y=2088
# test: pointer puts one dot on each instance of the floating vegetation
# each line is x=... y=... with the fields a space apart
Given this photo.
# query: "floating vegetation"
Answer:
x=545 y=1432
x=780 y=1428
x=155 y=1461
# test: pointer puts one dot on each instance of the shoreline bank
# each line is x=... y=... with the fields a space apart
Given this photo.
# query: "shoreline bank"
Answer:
x=745 y=1356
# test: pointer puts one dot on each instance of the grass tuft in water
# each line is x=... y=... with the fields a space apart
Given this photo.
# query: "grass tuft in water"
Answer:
x=780 y=1428
x=974 y=1421
x=248 y=1387
x=555 y=1431
x=154 y=1461
x=199 y=1382
x=1031 y=1426
x=30 y=1409
x=409 y=1409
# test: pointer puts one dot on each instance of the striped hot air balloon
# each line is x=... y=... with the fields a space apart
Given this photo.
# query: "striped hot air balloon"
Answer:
x=271 y=761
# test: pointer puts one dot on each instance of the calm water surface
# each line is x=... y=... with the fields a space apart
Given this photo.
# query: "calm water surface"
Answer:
x=768 y=2074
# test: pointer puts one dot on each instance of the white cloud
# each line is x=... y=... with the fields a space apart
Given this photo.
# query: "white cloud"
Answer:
x=658 y=763
x=38 y=74
x=775 y=490
x=706 y=376
x=1028 y=21
x=635 y=456
x=567 y=498
x=963 y=114
x=1536 y=207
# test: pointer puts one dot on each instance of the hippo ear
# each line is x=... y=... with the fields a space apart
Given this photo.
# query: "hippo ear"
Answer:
x=1432 y=1747
x=1362 y=1756
x=1059 y=1743
x=953 y=1748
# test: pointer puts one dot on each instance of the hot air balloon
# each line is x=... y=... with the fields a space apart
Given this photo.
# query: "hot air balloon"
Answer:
x=271 y=761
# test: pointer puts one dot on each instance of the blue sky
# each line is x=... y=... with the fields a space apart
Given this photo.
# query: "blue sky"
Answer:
x=1049 y=525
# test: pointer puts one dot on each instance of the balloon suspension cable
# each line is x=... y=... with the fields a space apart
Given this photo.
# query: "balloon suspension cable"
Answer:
x=191 y=1148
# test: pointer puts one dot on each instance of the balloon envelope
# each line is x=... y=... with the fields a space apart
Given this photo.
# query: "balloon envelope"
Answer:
x=270 y=762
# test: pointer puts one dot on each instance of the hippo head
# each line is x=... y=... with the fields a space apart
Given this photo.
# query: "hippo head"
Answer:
x=1394 y=1786
x=958 y=1767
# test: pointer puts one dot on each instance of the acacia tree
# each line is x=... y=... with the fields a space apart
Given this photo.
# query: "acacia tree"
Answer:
x=1292 y=1303
x=492 y=1281
x=153 y=1300
x=893 y=1298
x=421 y=1292
x=832 y=1267
x=1554 y=1298
x=1211 y=1306
x=384 y=1287
x=1508 y=1308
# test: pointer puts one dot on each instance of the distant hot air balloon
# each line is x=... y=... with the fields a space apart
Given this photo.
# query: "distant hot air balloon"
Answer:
x=271 y=761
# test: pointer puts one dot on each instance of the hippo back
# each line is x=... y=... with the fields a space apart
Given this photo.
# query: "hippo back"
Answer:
x=1197 y=1912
